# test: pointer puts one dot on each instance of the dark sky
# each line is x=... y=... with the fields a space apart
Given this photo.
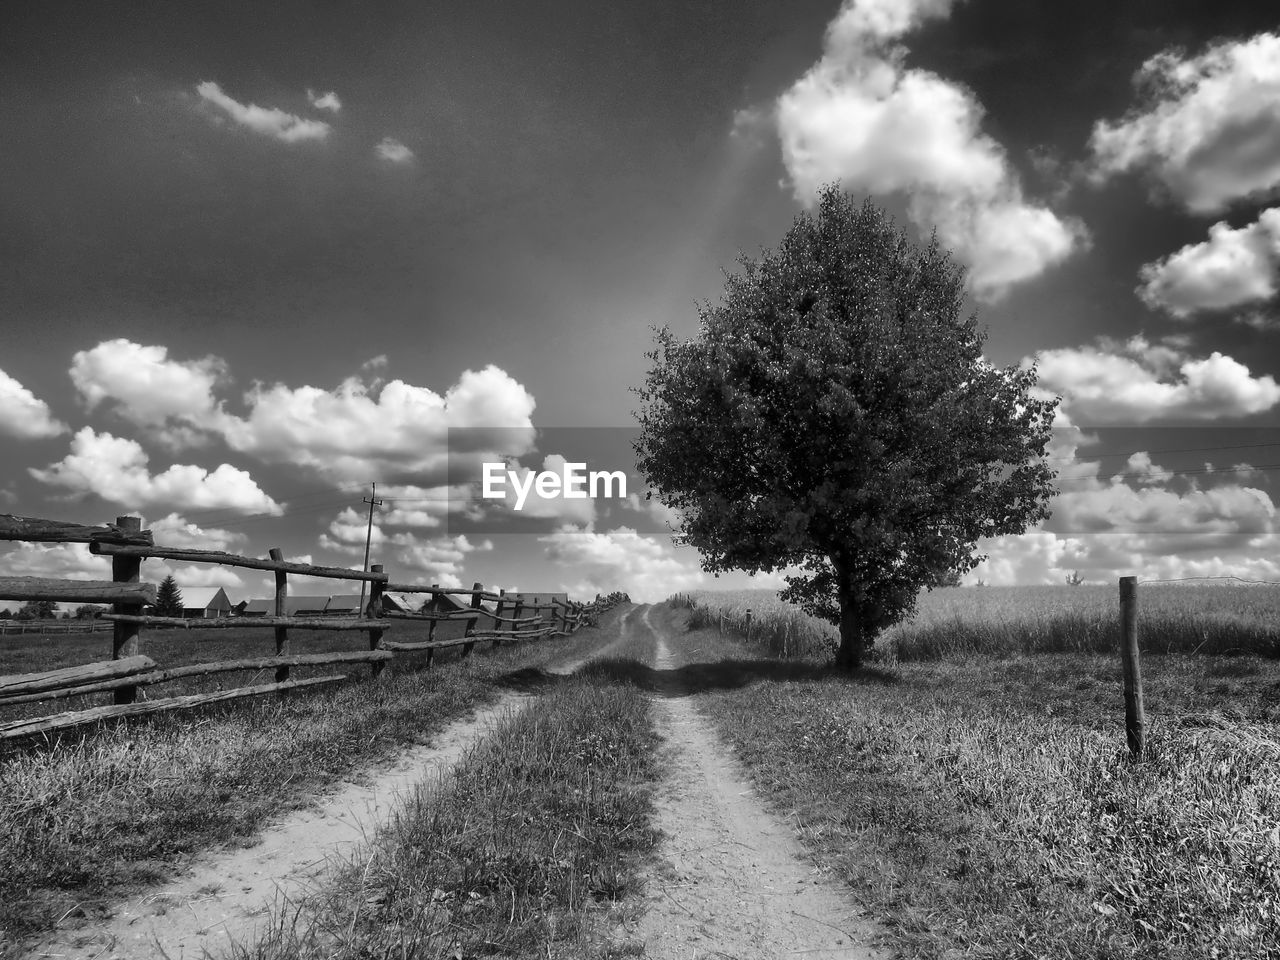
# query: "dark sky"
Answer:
x=562 y=176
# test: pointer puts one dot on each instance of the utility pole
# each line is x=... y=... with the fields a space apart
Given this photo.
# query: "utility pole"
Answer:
x=373 y=501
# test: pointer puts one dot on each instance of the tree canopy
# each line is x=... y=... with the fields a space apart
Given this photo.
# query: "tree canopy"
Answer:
x=836 y=419
x=168 y=598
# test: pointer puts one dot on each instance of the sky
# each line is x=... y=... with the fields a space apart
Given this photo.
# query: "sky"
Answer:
x=255 y=257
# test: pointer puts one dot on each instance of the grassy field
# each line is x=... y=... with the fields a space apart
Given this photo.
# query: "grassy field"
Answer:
x=1007 y=621
x=528 y=849
x=986 y=807
x=93 y=813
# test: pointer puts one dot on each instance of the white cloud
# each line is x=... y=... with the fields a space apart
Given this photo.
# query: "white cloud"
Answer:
x=1231 y=268
x=1137 y=382
x=60 y=561
x=1210 y=131
x=23 y=415
x=356 y=433
x=269 y=121
x=859 y=117
x=620 y=559
x=328 y=101
x=439 y=559
x=347 y=532
x=115 y=469
x=173 y=530
x=393 y=151
x=147 y=388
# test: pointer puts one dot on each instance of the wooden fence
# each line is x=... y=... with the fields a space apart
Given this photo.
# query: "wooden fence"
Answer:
x=129 y=669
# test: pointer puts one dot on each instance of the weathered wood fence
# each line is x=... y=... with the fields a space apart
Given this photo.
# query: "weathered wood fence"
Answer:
x=129 y=669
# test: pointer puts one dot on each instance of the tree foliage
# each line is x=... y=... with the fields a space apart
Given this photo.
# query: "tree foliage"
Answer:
x=168 y=598
x=836 y=419
x=38 y=610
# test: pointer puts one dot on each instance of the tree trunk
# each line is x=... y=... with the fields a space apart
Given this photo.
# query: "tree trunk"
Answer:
x=849 y=657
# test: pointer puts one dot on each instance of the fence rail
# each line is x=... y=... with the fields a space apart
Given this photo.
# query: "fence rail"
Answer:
x=129 y=669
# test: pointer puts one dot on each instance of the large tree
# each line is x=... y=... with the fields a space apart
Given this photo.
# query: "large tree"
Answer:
x=836 y=417
x=168 y=598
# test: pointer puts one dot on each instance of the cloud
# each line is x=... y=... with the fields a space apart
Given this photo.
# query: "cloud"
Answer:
x=23 y=415
x=439 y=559
x=620 y=559
x=1210 y=129
x=393 y=150
x=328 y=101
x=859 y=117
x=271 y=122
x=148 y=389
x=60 y=561
x=1138 y=382
x=347 y=532
x=398 y=433
x=1231 y=268
x=173 y=530
x=115 y=469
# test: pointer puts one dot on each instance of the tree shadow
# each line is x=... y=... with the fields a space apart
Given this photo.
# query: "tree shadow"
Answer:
x=696 y=678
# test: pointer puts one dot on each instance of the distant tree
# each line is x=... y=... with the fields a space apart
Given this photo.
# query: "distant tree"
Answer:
x=1074 y=579
x=38 y=610
x=947 y=578
x=836 y=415
x=6 y=614
x=88 y=611
x=168 y=598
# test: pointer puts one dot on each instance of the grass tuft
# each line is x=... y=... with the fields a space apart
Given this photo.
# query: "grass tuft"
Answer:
x=525 y=849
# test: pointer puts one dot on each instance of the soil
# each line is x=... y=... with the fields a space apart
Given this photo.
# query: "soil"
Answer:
x=732 y=880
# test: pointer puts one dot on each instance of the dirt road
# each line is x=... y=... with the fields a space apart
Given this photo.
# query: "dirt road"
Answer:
x=732 y=879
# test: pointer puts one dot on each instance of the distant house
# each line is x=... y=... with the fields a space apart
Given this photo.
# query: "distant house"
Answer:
x=401 y=603
x=293 y=607
x=344 y=605
x=205 y=602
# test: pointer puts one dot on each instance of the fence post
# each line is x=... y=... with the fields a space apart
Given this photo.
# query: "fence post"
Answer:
x=515 y=615
x=748 y=623
x=431 y=627
x=124 y=636
x=476 y=588
x=1135 y=716
x=375 y=611
x=282 y=607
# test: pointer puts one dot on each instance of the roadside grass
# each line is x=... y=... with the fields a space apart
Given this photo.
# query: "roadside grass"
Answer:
x=526 y=849
x=93 y=813
x=988 y=808
x=954 y=622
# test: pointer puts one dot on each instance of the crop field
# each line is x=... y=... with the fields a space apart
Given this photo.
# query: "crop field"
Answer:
x=1006 y=621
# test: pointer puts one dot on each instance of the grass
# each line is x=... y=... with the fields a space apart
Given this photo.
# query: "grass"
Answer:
x=988 y=808
x=527 y=849
x=93 y=813
x=957 y=622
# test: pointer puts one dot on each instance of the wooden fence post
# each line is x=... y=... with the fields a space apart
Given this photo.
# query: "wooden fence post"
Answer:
x=124 y=636
x=282 y=607
x=375 y=611
x=515 y=615
x=748 y=623
x=476 y=588
x=1135 y=716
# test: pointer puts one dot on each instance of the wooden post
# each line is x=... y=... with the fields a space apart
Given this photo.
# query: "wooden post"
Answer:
x=1135 y=716
x=375 y=611
x=124 y=636
x=476 y=588
x=748 y=623
x=431 y=631
x=515 y=615
x=282 y=607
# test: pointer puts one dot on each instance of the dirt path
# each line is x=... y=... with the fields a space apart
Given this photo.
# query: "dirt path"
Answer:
x=732 y=880
x=226 y=895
